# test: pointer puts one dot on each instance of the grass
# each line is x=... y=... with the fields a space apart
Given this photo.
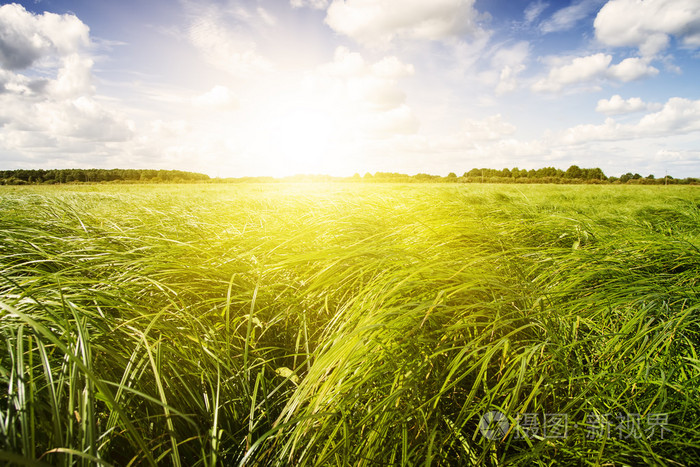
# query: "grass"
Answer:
x=348 y=324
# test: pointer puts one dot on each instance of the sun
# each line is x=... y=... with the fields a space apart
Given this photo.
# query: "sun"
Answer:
x=300 y=135
x=301 y=139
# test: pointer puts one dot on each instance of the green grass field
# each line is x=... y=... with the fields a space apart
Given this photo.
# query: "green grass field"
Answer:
x=348 y=324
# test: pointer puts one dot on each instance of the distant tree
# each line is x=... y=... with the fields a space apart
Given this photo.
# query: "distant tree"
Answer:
x=473 y=173
x=574 y=172
x=595 y=174
x=626 y=177
x=549 y=172
x=650 y=176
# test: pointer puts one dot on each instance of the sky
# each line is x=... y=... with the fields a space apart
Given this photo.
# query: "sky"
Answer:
x=282 y=87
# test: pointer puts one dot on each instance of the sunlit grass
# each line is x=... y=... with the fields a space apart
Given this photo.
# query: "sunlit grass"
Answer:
x=345 y=324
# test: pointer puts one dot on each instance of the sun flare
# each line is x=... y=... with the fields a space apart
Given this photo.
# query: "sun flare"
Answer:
x=301 y=138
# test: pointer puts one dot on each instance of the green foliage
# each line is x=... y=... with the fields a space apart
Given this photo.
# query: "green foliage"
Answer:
x=345 y=324
x=41 y=176
x=573 y=175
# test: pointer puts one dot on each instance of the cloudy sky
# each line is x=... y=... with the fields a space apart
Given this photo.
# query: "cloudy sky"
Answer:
x=278 y=87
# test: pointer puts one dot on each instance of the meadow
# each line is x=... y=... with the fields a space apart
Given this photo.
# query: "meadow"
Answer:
x=349 y=324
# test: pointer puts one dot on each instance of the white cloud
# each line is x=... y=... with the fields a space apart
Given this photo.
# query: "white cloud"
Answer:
x=489 y=129
x=591 y=68
x=566 y=18
x=316 y=4
x=616 y=105
x=581 y=69
x=534 y=10
x=510 y=56
x=677 y=156
x=510 y=62
x=217 y=98
x=345 y=63
x=507 y=81
x=82 y=118
x=366 y=93
x=608 y=131
x=378 y=22
x=677 y=117
x=58 y=111
x=74 y=78
x=631 y=69
x=224 y=49
x=392 y=67
x=648 y=24
x=26 y=38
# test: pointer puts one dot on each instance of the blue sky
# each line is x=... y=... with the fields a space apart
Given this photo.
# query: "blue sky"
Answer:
x=278 y=87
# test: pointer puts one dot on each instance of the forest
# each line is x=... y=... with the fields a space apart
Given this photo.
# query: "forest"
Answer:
x=53 y=176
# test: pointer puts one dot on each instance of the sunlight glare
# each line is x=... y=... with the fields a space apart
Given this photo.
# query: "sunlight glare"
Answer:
x=299 y=141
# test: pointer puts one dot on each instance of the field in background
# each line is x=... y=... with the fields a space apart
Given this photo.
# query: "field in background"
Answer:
x=308 y=324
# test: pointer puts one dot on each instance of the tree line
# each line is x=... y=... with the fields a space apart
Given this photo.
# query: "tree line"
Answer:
x=54 y=176
x=574 y=174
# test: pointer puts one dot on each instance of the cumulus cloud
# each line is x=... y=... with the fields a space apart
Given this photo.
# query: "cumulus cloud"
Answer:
x=594 y=67
x=371 y=85
x=631 y=69
x=26 y=38
x=368 y=94
x=59 y=110
x=378 y=22
x=677 y=117
x=217 y=98
x=74 y=78
x=83 y=118
x=49 y=43
x=648 y=24
x=616 y=105
x=581 y=69
x=566 y=18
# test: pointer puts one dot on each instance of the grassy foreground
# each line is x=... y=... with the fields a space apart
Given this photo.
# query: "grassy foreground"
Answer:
x=349 y=325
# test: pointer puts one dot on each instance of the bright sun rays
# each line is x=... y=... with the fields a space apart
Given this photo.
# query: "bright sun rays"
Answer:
x=302 y=138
